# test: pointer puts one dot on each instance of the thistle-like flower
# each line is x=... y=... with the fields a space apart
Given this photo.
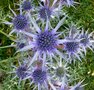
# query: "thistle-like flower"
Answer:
x=26 y=5
x=49 y=10
x=86 y=40
x=39 y=76
x=60 y=69
x=22 y=72
x=45 y=12
x=72 y=45
x=20 y=22
x=45 y=42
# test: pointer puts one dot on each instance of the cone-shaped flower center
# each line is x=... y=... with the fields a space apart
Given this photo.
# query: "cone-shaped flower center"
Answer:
x=20 y=22
x=20 y=45
x=21 y=72
x=39 y=76
x=45 y=13
x=71 y=46
x=26 y=5
x=46 y=41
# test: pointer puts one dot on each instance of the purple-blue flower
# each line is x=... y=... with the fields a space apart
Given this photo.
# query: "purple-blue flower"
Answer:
x=45 y=12
x=26 y=5
x=39 y=76
x=72 y=44
x=20 y=22
x=49 y=10
x=86 y=40
x=21 y=72
x=44 y=42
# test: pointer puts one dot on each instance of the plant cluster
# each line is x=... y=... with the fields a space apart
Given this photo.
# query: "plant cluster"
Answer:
x=49 y=49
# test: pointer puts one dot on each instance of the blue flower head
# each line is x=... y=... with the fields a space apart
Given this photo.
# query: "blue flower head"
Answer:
x=72 y=44
x=26 y=5
x=86 y=40
x=46 y=41
x=45 y=12
x=21 y=72
x=39 y=76
x=49 y=10
x=20 y=22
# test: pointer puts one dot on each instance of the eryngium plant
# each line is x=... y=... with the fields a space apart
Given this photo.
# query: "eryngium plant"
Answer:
x=52 y=48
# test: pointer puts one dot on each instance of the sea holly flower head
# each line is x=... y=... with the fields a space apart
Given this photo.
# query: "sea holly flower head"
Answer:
x=72 y=44
x=86 y=40
x=21 y=72
x=61 y=69
x=26 y=5
x=39 y=76
x=45 y=12
x=67 y=2
x=20 y=22
x=46 y=41
x=49 y=10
